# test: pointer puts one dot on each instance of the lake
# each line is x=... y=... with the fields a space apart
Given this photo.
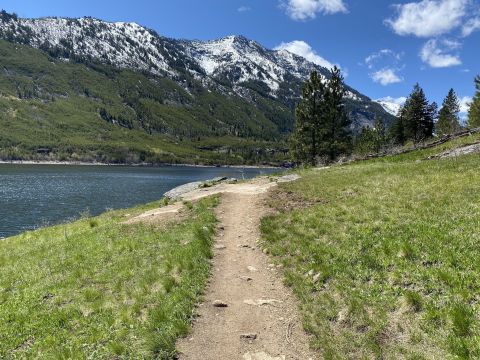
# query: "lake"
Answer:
x=32 y=196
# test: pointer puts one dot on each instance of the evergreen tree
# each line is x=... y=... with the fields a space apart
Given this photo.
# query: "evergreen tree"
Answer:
x=322 y=126
x=474 y=112
x=306 y=137
x=396 y=130
x=371 y=140
x=448 y=120
x=335 y=130
x=418 y=116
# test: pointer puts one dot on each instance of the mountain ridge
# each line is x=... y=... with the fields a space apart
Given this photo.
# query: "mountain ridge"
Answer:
x=201 y=90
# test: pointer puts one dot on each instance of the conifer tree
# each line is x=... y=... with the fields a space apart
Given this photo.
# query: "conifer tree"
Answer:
x=474 y=112
x=335 y=130
x=396 y=130
x=322 y=126
x=306 y=137
x=418 y=116
x=448 y=120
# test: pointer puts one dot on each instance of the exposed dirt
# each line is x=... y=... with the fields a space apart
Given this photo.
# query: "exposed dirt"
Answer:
x=258 y=318
x=248 y=314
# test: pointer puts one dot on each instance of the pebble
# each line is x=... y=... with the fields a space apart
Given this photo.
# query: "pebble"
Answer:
x=220 y=304
x=248 y=336
x=220 y=247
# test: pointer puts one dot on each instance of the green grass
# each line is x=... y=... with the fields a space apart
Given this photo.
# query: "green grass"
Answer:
x=386 y=263
x=97 y=288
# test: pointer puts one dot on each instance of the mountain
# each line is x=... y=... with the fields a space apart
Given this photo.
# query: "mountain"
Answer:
x=391 y=105
x=196 y=90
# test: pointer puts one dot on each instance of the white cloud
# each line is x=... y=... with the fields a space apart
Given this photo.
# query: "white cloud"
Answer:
x=470 y=26
x=429 y=18
x=308 y=9
x=301 y=48
x=242 y=9
x=437 y=53
x=386 y=76
x=371 y=59
x=465 y=103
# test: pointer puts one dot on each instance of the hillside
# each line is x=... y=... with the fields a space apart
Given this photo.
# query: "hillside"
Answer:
x=208 y=96
x=383 y=254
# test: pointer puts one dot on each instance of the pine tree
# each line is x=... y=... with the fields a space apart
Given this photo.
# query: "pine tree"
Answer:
x=474 y=112
x=418 y=116
x=371 y=140
x=306 y=137
x=335 y=129
x=448 y=120
x=322 y=126
x=396 y=130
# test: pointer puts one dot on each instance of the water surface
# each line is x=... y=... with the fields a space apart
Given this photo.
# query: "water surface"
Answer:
x=37 y=195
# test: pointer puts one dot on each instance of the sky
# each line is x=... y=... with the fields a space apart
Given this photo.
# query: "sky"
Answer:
x=383 y=47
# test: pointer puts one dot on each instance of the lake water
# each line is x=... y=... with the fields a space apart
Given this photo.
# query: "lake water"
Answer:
x=38 y=195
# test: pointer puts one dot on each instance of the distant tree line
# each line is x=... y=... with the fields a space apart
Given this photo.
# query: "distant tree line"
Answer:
x=322 y=129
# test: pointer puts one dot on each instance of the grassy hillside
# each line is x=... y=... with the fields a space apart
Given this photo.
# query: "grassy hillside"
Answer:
x=99 y=289
x=384 y=256
x=57 y=110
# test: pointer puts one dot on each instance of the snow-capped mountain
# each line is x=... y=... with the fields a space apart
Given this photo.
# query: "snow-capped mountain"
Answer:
x=234 y=65
x=391 y=105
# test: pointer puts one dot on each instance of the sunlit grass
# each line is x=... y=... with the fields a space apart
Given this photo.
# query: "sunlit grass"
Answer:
x=387 y=265
x=98 y=288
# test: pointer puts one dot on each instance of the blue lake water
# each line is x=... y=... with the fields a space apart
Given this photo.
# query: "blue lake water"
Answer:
x=38 y=195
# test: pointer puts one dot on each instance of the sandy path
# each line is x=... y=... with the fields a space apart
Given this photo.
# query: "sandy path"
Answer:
x=260 y=320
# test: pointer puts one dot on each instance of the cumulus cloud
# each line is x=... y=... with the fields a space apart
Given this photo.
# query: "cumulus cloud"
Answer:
x=301 y=48
x=465 y=103
x=470 y=26
x=243 y=9
x=428 y=18
x=385 y=65
x=438 y=53
x=386 y=76
x=302 y=10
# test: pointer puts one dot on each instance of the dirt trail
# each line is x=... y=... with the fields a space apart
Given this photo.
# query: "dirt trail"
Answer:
x=244 y=279
x=256 y=317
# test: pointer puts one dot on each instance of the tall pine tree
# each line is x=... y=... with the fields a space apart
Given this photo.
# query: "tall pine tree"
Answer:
x=306 y=136
x=448 y=119
x=336 y=133
x=322 y=128
x=418 y=116
x=474 y=112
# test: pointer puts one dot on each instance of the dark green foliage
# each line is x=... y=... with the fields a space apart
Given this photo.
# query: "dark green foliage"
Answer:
x=337 y=138
x=416 y=119
x=371 y=140
x=306 y=137
x=448 y=120
x=474 y=113
x=418 y=116
x=322 y=126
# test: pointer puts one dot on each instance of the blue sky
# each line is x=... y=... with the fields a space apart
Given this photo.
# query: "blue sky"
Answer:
x=384 y=46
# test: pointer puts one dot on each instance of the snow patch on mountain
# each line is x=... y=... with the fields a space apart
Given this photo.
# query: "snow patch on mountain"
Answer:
x=391 y=105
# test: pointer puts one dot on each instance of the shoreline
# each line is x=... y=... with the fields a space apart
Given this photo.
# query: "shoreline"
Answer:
x=84 y=163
